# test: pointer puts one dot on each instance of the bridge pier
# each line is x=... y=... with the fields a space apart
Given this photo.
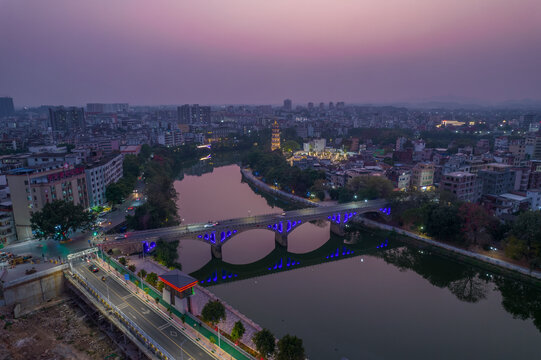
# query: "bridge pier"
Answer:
x=216 y=251
x=281 y=239
x=337 y=229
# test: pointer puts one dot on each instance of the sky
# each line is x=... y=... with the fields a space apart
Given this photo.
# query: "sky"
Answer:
x=72 y=52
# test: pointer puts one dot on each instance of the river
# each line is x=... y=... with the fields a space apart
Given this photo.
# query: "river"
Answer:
x=373 y=298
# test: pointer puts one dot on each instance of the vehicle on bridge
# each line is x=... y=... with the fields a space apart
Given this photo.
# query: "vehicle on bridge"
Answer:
x=93 y=268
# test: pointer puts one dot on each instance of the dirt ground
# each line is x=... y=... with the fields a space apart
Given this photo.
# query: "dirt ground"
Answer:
x=59 y=332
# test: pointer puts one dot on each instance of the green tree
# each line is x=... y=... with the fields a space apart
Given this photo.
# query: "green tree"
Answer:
x=132 y=268
x=166 y=252
x=443 y=222
x=475 y=219
x=152 y=279
x=238 y=331
x=265 y=343
x=290 y=146
x=371 y=187
x=525 y=239
x=122 y=261
x=131 y=166
x=160 y=285
x=142 y=273
x=290 y=348
x=58 y=218
x=213 y=312
x=115 y=193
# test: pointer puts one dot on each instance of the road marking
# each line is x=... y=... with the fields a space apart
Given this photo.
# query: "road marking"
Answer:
x=153 y=325
x=145 y=311
x=173 y=333
x=127 y=296
x=122 y=306
x=164 y=326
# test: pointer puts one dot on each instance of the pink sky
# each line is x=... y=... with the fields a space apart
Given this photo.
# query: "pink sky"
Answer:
x=254 y=51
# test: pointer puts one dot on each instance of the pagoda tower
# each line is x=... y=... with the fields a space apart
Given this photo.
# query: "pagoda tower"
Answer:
x=275 y=139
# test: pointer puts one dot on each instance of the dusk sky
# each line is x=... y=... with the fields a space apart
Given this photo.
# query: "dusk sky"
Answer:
x=252 y=51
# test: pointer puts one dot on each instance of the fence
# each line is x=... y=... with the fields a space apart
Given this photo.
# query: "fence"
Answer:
x=189 y=319
x=135 y=330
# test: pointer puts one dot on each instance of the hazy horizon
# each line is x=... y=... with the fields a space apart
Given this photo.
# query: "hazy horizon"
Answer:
x=481 y=52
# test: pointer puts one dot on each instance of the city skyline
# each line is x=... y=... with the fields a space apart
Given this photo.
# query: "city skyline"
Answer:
x=241 y=52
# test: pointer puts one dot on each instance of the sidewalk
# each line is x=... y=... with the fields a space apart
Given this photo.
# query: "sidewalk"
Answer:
x=471 y=254
x=196 y=331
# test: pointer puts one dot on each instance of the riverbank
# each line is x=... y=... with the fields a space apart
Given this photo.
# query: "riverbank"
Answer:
x=247 y=175
x=367 y=222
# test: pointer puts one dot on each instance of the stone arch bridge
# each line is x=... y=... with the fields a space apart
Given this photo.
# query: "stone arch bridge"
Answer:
x=218 y=233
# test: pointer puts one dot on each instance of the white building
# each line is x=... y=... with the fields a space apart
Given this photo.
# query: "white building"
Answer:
x=101 y=174
x=535 y=198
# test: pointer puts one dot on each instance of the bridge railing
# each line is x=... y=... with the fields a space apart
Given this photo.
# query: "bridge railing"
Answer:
x=256 y=219
x=134 y=328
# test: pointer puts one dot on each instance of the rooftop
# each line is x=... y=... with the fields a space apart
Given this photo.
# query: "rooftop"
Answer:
x=178 y=280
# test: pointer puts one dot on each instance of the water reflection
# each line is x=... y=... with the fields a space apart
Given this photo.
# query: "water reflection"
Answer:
x=468 y=283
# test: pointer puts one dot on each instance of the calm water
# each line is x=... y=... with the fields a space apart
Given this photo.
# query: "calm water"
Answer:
x=375 y=298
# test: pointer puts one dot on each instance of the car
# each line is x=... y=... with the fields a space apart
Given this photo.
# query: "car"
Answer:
x=93 y=268
x=208 y=225
x=283 y=214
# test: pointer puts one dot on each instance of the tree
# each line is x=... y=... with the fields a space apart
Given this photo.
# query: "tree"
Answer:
x=152 y=279
x=58 y=218
x=290 y=146
x=475 y=219
x=115 y=193
x=265 y=342
x=371 y=187
x=122 y=261
x=525 y=239
x=142 y=273
x=290 y=348
x=160 y=286
x=132 y=268
x=443 y=222
x=238 y=331
x=166 y=252
x=213 y=312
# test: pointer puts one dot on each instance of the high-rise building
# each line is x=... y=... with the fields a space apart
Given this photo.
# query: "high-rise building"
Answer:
x=6 y=106
x=183 y=113
x=68 y=119
x=204 y=112
x=107 y=108
x=321 y=106
x=275 y=139
x=310 y=106
x=288 y=104
x=537 y=147
x=32 y=188
x=99 y=175
x=193 y=114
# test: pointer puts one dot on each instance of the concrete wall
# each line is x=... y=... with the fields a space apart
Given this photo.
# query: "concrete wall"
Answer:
x=31 y=291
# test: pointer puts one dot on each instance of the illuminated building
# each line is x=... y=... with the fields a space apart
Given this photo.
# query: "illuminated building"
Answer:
x=275 y=139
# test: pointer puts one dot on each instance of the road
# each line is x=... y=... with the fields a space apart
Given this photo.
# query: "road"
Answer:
x=304 y=215
x=148 y=319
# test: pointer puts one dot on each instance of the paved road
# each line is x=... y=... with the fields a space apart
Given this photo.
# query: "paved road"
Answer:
x=148 y=319
x=307 y=214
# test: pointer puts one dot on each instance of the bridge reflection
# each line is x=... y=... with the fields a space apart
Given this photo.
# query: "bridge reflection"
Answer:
x=366 y=242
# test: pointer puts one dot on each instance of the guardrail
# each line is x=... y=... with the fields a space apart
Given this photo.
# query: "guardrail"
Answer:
x=189 y=318
x=133 y=327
